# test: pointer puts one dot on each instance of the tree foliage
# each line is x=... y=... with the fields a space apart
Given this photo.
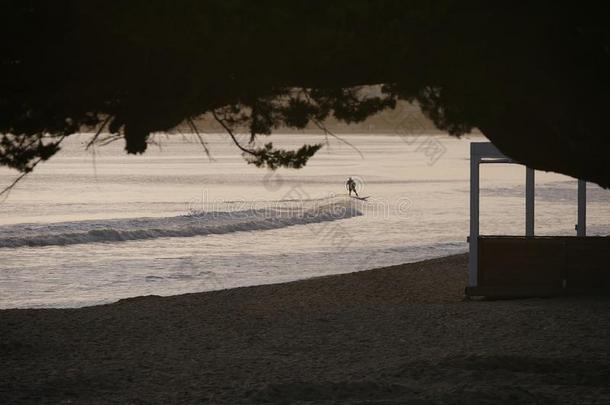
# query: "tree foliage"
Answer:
x=533 y=76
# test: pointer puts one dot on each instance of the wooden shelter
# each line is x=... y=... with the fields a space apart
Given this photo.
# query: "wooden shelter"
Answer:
x=520 y=266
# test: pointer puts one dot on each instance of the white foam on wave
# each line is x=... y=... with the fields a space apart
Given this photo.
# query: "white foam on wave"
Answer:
x=193 y=224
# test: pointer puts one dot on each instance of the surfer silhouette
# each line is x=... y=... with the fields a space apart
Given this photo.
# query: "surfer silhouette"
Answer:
x=351 y=186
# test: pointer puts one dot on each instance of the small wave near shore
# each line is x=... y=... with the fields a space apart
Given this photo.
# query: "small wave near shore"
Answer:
x=273 y=215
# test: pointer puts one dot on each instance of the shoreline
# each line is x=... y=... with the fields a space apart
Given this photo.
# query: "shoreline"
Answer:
x=390 y=335
x=278 y=283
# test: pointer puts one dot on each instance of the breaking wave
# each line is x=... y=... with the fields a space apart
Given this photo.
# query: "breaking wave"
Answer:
x=193 y=224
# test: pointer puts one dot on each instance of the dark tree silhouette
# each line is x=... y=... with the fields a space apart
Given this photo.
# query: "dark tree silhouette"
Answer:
x=532 y=76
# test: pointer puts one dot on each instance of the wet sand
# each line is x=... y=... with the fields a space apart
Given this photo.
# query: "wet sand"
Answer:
x=396 y=335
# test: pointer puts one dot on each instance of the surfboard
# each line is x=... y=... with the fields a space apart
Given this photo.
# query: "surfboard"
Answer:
x=360 y=198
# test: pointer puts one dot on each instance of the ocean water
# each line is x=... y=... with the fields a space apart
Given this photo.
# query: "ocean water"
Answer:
x=93 y=227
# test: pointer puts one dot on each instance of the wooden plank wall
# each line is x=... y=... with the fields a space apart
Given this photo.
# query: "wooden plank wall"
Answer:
x=544 y=263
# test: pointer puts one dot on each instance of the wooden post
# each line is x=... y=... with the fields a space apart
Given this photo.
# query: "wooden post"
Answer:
x=529 y=201
x=473 y=240
x=581 y=227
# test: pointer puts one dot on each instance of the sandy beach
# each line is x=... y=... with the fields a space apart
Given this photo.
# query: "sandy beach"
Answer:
x=396 y=335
